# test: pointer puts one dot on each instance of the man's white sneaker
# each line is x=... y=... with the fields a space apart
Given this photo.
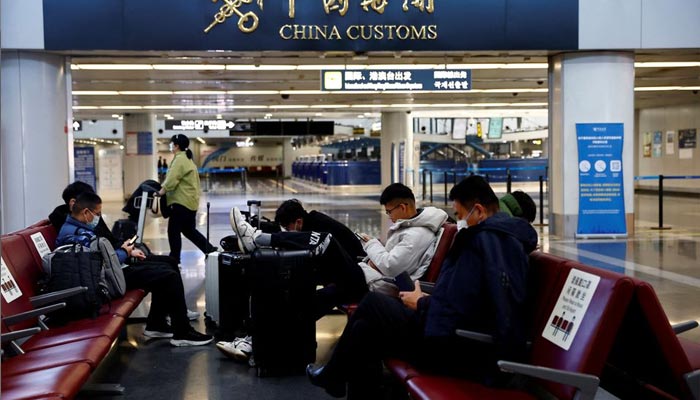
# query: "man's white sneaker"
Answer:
x=192 y=315
x=239 y=349
x=244 y=231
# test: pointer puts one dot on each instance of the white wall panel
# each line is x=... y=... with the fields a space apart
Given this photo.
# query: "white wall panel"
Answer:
x=670 y=24
x=22 y=24
x=610 y=24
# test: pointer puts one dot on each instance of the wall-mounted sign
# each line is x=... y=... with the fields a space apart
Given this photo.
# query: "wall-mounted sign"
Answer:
x=85 y=165
x=77 y=126
x=396 y=80
x=687 y=138
x=294 y=25
x=601 y=206
x=199 y=124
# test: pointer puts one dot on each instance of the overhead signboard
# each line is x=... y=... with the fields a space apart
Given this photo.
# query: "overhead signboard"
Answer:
x=396 y=80
x=293 y=25
x=199 y=124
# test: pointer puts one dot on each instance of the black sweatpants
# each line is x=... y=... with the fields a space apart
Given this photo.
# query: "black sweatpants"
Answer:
x=168 y=294
x=182 y=221
x=342 y=277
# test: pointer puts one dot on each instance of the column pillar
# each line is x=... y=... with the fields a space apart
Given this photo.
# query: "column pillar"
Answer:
x=586 y=88
x=397 y=134
x=140 y=152
x=35 y=142
x=288 y=155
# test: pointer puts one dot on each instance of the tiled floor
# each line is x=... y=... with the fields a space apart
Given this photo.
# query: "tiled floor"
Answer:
x=154 y=370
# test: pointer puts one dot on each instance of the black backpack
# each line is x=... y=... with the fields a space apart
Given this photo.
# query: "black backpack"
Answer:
x=74 y=266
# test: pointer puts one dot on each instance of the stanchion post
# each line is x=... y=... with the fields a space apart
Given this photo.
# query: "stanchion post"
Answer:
x=508 y=180
x=454 y=178
x=431 y=187
x=424 y=172
x=208 y=207
x=541 y=200
x=661 y=206
x=445 y=181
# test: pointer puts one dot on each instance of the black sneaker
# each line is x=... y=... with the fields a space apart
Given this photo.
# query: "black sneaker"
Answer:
x=190 y=338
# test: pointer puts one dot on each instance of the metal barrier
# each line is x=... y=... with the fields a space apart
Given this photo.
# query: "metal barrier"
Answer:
x=428 y=179
x=661 y=179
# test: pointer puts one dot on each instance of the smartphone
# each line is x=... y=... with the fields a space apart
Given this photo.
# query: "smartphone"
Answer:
x=404 y=282
x=357 y=235
x=133 y=240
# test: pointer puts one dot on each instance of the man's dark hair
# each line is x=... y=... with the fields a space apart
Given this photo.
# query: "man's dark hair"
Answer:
x=289 y=211
x=74 y=190
x=475 y=189
x=527 y=205
x=85 y=200
x=396 y=191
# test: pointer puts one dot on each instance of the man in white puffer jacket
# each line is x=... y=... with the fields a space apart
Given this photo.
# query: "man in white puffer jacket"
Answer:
x=410 y=244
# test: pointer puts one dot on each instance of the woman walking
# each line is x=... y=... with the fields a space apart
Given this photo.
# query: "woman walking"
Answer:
x=182 y=188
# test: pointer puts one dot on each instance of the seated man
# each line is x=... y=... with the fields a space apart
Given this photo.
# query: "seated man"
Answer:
x=138 y=257
x=481 y=287
x=163 y=282
x=410 y=243
x=518 y=204
x=292 y=217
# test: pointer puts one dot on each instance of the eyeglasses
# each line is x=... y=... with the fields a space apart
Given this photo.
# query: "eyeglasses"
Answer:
x=388 y=212
x=99 y=214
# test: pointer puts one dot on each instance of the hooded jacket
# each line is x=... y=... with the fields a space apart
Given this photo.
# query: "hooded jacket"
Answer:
x=410 y=245
x=483 y=282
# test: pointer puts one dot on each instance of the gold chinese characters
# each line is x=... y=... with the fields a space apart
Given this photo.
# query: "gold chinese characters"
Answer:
x=247 y=22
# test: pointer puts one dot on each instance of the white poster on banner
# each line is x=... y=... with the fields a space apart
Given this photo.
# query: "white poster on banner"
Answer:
x=10 y=290
x=571 y=308
x=40 y=244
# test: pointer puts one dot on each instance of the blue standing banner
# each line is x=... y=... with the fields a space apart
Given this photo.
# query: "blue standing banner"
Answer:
x=601 y=210
x=85 y=165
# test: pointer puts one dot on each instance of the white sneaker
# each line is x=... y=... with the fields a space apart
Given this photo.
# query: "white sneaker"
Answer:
x=244 y=231
x=192 y=315
x=239 y=349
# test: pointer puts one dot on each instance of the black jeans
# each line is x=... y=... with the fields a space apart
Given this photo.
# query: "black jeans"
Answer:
x=182 y=221
x=168 y=293
x=342 y=277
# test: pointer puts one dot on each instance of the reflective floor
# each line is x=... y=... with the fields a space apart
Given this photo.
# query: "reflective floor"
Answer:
x=153 y=369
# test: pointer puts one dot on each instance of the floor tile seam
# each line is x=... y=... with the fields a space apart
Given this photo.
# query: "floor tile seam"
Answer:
x=631 y=266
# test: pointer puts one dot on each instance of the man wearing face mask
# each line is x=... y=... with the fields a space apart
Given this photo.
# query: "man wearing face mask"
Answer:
x=481 y=287
x=164 y=283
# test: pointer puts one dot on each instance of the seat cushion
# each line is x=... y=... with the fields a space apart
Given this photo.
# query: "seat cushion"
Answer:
x=402 y=370
x=126 y=305
x=430 y=387
x=692 y=350
x=105 y=325
x=90 y=351
x=62 y=382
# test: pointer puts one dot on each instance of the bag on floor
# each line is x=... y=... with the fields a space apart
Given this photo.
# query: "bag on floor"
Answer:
x=74 y=266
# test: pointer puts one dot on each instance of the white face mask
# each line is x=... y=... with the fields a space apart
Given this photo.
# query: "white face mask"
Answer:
x=462 y=223
x=171 y=147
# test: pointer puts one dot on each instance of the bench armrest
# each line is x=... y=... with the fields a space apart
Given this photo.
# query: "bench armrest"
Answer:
x=48 y=298
x=11 y=336
x=585 y=383
x=13 y=319
x=427 y=287
x=684 y=326
x=479 y=337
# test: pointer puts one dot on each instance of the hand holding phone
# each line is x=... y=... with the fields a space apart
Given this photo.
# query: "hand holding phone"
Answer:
x=361 y=236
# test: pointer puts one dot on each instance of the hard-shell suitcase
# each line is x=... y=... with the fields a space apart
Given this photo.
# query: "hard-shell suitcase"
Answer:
x=283 y=324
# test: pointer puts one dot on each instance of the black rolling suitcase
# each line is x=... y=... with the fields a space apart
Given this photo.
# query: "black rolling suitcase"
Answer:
x=234 y=294
x=283 y=324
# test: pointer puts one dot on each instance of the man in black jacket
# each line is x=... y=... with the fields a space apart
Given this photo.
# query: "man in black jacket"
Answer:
x=481 y=287
x=292 y=216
